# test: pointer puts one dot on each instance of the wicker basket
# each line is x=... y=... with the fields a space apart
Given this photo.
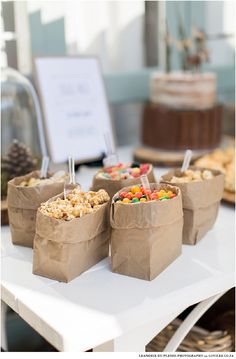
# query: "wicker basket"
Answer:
x=226 y=321
x=198 y=340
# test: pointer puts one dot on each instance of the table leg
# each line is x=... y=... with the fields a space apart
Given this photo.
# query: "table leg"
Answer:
x=137 y=339
x=3 y=326
x=189 y=322
x=120 y=345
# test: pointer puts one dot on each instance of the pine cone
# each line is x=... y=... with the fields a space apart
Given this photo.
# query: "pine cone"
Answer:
x=18 y=161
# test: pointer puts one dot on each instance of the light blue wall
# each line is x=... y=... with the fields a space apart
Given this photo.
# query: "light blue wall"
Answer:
x=134 y=86
x=47 y=39
x=123 y=87
x=127 y=87
x=189 y=13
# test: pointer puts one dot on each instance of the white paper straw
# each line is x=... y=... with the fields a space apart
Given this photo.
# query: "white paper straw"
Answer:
x=65 y=192
x=145 y=182
x=70 y=184
x=111 y=158
x=73 y=170
x=186 y=161
x=70 y=169
x=71 y=163
x=44 y=167
x=108 y=142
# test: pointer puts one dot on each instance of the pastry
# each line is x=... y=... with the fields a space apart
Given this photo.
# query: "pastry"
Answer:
x=224 y=161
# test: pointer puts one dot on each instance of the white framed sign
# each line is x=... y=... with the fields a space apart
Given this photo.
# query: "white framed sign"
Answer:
x=76 y=113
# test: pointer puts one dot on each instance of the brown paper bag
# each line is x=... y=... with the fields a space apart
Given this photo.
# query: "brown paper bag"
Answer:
x=146 y=237
x=113 y=186
x=23 y=203
x=201 y=202
x=65 y=249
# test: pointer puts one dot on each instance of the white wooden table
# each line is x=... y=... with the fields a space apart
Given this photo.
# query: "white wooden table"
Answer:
x=111 y=312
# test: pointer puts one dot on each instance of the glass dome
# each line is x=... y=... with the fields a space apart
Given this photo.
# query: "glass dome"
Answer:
x=20 y=113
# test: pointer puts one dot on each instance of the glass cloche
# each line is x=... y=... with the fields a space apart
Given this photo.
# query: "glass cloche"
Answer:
x=20 y=113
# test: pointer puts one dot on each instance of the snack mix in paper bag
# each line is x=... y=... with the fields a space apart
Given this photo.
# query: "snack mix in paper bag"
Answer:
x=77 y=204
x=192 y=176
x=59 y=176
x=146 y=233
x=202 y=190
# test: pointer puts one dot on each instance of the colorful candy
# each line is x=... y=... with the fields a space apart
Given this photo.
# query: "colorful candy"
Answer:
x=138 y=194
x=124 y=171
x=135 y=189
x=126 y=200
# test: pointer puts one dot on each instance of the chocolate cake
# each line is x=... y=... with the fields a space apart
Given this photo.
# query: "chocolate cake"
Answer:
x=183 y=112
